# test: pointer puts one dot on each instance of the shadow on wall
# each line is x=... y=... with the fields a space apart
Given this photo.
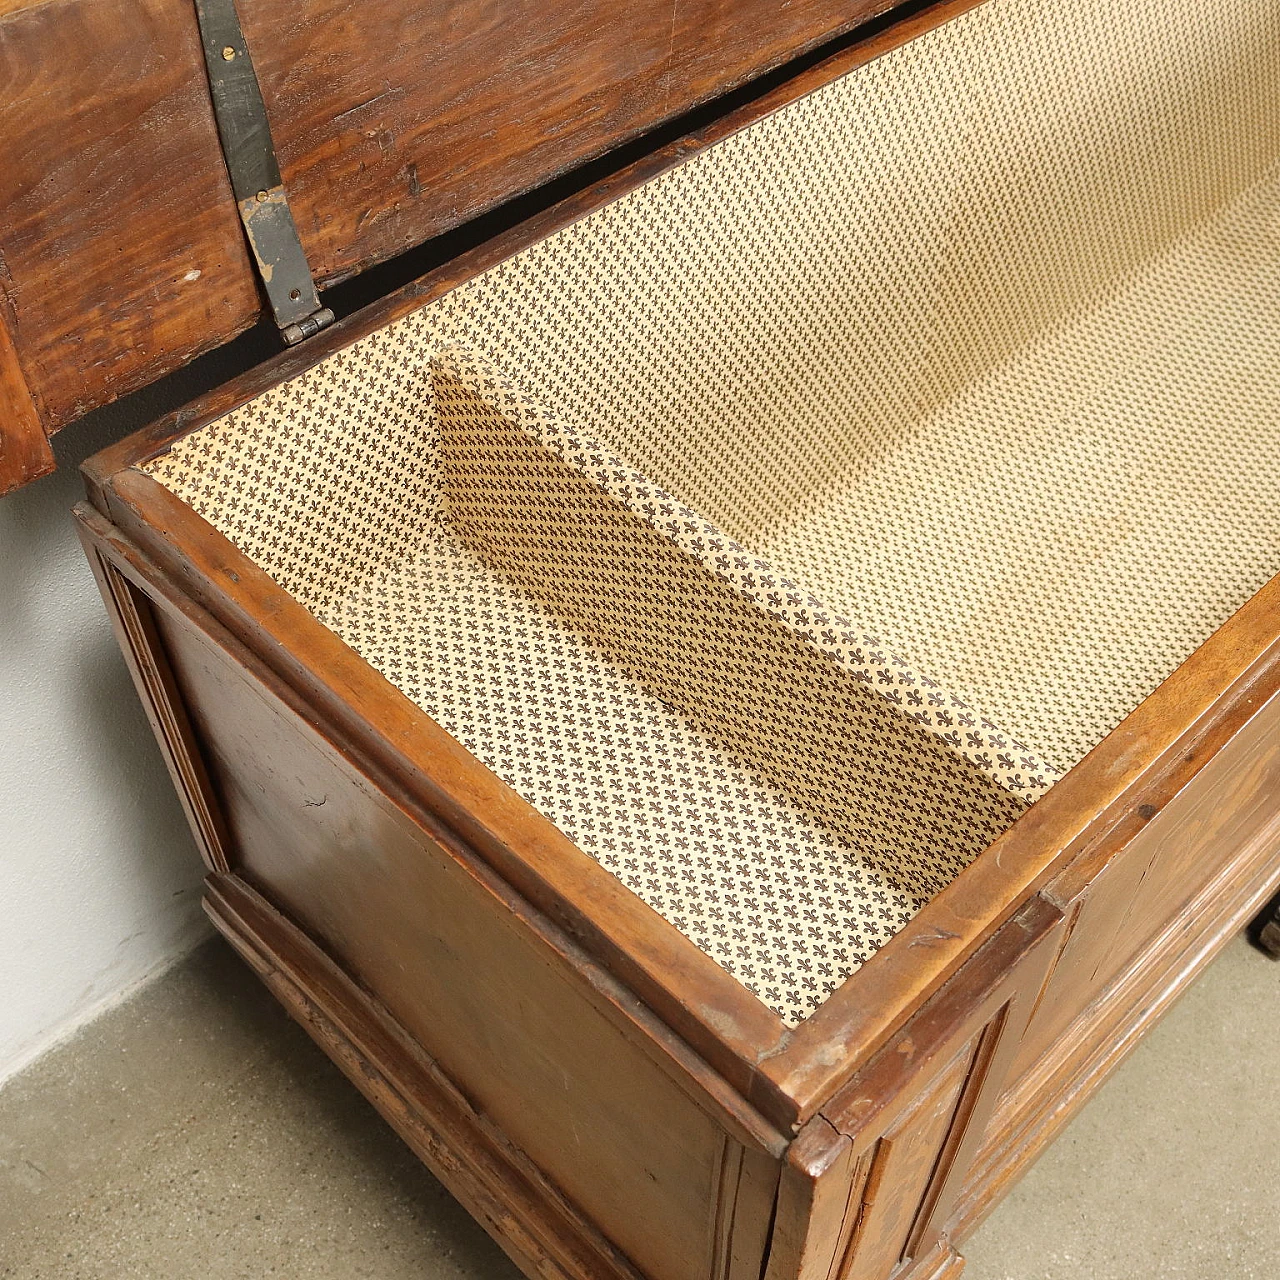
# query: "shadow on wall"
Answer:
x=99 y=876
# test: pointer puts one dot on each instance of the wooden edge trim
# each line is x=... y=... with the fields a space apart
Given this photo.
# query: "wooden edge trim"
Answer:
x=1151 y=756
x=448 y=788
x=693 y=1070
x=532 y=1221
x=745 y=1195
x=1153 y=753
x=159 y=436
x=1086 y=817
x=1080 y=824
x=836 y=1162
x=991 y=978
x=1065 y=1079
x=988 y=1064
x=25 y=452
x=144 y=654
x=822 y=1183
x=944 y=1263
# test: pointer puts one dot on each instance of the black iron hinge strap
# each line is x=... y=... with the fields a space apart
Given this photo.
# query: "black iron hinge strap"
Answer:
x=255 y=174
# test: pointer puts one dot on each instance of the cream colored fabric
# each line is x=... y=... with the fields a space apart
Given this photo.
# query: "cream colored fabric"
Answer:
x=1097 y=507
x=974 y=351
x=767 y=784
x=615 y=553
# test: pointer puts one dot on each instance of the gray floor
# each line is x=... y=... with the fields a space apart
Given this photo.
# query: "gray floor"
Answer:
x=197 y=1132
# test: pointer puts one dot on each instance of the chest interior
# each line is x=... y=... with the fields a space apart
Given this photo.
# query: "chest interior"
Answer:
x=782 y=529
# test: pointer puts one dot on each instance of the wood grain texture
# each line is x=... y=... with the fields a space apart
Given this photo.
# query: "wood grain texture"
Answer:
x=630 y=1125
x=25 y=454
x=454 y=919
x=925 y=1099
x=1223 y=832
x=135 y=626
x=453 y=793
x=902 y=1163
x=943 y=1264
x=121 y=252
x=1204 y=772
x=396 y=121
x=542 y=1233
x=157 y=436
x=870 y=1181
x=1083 y=822
x=822 y=1186
x=1151 y=756
x=1160 y=860
x=453 y=958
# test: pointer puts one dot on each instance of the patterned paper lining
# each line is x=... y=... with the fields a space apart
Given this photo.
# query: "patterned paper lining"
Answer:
x=967 y=362
x=569 y=520
x=788 y=828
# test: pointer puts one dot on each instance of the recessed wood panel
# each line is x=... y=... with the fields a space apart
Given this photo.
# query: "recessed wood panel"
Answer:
x=902 y=1164
x=1173 y=852
x=454 y=959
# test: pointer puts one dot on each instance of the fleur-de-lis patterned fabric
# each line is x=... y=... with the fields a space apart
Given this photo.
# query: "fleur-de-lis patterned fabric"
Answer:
x=931 y=421
x=550 y=507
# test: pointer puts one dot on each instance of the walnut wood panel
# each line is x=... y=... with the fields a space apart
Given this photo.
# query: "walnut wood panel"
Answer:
x=899 y=1169
x=1154 y=754
x=395 y=121
x=156 y=436
x=449 y=791
x=641 y=1097
x=1039 y=1102
x=1200 y=733
x=632 y=1127
x=1119 y=902
x=821 y=1178
x=1114 y=987
x=539 y=1230
x=121 y=253
x=1214 y=712
x=451 y=960
x=1143 y=762
x=24 y=448
x=134 y=623
x=871 y=1180
x=121 y=249
x=1082 y=823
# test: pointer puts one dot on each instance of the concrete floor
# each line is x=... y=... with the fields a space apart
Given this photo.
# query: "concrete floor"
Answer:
x=197 y=1132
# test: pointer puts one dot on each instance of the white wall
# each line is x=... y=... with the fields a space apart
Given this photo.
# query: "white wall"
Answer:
x=99 y=877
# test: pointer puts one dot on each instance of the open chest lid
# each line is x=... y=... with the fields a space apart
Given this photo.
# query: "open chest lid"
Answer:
x=122 y=250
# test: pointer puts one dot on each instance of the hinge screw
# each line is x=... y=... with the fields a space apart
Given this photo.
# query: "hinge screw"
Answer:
x=228 y=53
x=262 y=197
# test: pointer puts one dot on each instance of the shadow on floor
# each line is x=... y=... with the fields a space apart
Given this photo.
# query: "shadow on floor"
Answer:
x=196 y=1131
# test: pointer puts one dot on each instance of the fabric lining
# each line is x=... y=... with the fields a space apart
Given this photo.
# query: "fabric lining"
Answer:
x=784 y=527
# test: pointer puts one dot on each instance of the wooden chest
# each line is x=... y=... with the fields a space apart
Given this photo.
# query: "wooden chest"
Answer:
x=729 y=708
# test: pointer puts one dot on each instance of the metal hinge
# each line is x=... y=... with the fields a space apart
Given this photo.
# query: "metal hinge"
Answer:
x=255 y=174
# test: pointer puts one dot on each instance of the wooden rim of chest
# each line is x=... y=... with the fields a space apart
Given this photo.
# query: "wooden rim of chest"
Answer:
x=786 y=1074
